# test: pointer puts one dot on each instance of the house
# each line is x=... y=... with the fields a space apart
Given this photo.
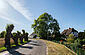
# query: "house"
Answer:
x=33 y=35
x=70 y=31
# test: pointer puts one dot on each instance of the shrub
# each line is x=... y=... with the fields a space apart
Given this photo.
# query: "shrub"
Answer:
x=78 y=42
x=83 y=41
x=71 y=38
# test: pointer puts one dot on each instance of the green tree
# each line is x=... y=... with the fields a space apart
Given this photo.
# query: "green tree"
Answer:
x=45 y=24
x=26 y=36
x=20 y=36
x=81 y=35
x=8 y=35
x=83 y=41
x=2 y=34
x=23 y=35
x=78 y=42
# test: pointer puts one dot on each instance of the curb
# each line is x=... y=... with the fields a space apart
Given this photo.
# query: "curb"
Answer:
x=46 y=50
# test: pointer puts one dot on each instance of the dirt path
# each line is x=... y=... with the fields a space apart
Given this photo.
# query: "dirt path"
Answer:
x=35 y=47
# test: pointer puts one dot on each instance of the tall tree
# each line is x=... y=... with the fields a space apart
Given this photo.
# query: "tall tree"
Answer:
x=20 y=35
x=9 y=29
x=23 y=35
x=45 y=24
x=54 y=27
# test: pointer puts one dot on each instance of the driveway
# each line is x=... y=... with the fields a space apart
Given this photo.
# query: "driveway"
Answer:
x=35 y=47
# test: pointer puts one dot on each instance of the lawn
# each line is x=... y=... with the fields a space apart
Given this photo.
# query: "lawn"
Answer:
x=58 y=49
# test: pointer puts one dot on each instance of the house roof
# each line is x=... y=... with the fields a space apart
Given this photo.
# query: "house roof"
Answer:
x=68 y=31
x=33 y=34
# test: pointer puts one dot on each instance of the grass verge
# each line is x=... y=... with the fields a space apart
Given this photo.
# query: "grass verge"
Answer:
x=58 y=49
x=2 y=48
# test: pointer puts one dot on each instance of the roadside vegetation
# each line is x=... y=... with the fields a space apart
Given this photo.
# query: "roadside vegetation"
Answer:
x=46 y=27
x=57 y=49
x=9 y=39
x=3 y=48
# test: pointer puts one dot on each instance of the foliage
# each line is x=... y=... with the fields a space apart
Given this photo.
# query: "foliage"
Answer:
x=26 y=36
x=57 y=49
x=74 y=46
x=20 y=36
x=23 y=31
x=12 y=44
x=2 y=48
x=14 y=34
x=70 y=38
x=78 y=42
x=81 y=35
x=76 y=49
x=63 y=37
x=9 y=29
x=45 y=26
x=2 y=34
x=83 y=41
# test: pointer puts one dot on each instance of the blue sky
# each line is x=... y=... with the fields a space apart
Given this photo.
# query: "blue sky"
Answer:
x=21 y=13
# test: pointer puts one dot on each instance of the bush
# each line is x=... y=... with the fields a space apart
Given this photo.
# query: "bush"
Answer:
x=83 y=41
x=71 y=38
x=78 y=41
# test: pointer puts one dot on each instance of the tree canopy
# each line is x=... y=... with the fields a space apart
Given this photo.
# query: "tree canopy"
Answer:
x=2 y=34
x=81 y=35
x=45 y=25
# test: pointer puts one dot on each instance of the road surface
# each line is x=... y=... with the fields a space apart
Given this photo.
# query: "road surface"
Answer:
x=35 y=47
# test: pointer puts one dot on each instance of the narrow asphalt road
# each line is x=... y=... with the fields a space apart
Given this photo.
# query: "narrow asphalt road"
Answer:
x=35 y=47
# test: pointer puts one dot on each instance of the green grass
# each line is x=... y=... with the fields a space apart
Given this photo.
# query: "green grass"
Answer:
x=57 y=49
x=3 y=48
x=74 y=47
x=13 y=45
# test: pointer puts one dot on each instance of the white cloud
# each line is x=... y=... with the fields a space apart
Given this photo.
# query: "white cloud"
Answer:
x=4 y=12
x=8 y=19
x=19 y=7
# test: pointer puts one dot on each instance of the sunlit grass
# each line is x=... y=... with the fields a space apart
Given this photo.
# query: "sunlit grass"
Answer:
x=2 y=48
x=57 y=49
x=2 y=42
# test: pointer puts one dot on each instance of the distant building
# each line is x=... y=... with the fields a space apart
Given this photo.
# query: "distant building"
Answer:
x=33 y=35
x=70 y=31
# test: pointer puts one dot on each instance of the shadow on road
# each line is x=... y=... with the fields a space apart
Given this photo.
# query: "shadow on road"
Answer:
x=29 y=47
x=35 y=44
x=14 y=52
